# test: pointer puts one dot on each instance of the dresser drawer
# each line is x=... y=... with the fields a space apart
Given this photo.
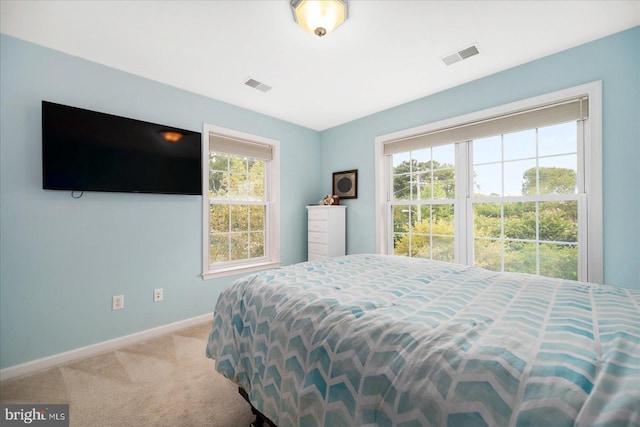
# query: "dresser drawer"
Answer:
x=317 y=237
x=318 y=214
x=318 y=226
x=317 y=249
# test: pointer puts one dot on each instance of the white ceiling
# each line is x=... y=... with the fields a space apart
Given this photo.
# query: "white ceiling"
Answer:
x=387 y=52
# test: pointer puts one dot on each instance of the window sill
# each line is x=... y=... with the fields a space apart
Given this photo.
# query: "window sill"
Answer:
x=239 y=269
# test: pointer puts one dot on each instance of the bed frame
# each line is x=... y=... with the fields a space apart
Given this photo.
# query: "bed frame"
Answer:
x=261 y=419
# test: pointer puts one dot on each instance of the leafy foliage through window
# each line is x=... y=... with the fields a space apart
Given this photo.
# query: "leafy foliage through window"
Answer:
x=523 y=190
x=238 y=208
x=424 y=189
x=241 y=218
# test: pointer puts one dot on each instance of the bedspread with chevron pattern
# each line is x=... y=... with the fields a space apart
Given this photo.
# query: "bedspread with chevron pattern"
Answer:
x=372 y=340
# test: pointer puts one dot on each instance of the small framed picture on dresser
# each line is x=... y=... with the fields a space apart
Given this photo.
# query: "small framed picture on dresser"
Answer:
x=345 y=184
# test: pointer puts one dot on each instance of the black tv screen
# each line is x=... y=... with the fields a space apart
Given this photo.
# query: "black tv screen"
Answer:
x=84 y=150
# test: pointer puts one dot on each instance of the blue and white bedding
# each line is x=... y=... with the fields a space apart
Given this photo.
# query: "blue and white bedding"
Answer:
x=371 y=340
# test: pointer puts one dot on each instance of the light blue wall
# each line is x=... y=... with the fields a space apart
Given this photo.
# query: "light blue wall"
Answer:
x=615 y=60
x=62 y=259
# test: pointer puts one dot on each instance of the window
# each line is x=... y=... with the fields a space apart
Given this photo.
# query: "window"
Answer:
x=515 y=188
x=525 y=201
x=423 y=203
x=240 y=202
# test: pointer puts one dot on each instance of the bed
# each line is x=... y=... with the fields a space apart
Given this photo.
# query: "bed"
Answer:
x=374 y=340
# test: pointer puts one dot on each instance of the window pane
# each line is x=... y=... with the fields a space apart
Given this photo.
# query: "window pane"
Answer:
x=444 y=184
x=238 y=186
x=420 y=246
x=557 y=175
x=218 y=175
x=239 y=218
x=238 y=164
x=402 y=187
x=442 y=248
x=401 y=244
x=256 y=218
x=557 y=139
x=530 y=182
x=401 y=218
x=487 y=254
x=487 y=220
x=445 y=155
x=487 y=180
x=219 y=218
x=218 y=162
x=559 y=221
x=515 y=174
x=520 y=257
x=256 y=189
x=421 y=219
x=487 y=150
x=401 y=158
x=218 y=248
x=218 y=184
x=238 y=178
x=520 y=145
x=421 y=160
x=559 y=261
x=256 y=179
x=239 y=246
x=520 y=220
x=442 y=219
x=421 y=184
x=256 y=244
x=420 y=232
x=255 y=166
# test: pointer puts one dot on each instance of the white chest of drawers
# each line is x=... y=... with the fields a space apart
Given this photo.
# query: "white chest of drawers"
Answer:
x=327 y=231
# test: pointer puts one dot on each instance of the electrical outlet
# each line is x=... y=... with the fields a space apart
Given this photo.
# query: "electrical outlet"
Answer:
x=157 y=295
x=117 y=302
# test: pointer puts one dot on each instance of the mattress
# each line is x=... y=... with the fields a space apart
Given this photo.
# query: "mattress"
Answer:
x=373 y=340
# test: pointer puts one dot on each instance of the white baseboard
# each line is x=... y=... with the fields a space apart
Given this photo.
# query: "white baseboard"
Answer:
x=101 y=347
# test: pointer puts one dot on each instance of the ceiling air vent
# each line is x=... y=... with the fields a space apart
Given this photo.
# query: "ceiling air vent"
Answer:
x=257 y=85
x=460 y=55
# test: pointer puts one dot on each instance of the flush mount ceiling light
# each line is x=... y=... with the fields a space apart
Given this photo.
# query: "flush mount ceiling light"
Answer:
x=319 y=17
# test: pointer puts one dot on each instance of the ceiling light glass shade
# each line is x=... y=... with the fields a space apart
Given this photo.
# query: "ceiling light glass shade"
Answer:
x=319 y=17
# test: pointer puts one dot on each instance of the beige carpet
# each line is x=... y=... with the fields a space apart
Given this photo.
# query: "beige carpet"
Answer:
x=166 y=381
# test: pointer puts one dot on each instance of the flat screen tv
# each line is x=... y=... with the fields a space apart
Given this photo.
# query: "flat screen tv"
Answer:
x=84 y=150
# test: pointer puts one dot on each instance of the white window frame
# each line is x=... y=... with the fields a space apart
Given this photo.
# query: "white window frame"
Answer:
x=272 y=218
x=591 y=233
